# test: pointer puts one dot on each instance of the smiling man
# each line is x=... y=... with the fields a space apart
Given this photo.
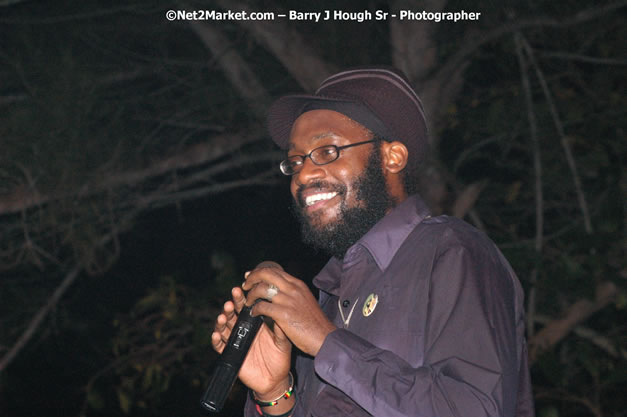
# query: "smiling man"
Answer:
x=417 y=315
x=338 y=204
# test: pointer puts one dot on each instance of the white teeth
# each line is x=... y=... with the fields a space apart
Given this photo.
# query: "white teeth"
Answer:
x=309 y=200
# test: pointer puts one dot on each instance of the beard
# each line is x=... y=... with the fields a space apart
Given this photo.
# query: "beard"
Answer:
x=337 y=237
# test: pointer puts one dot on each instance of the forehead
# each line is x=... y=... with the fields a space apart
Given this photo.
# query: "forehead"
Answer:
x=314 y=125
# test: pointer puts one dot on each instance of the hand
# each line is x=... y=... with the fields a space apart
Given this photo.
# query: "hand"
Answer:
x=294 y=308
x=266 y=367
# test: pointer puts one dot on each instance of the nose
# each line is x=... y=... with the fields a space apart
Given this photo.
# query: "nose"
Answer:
x=309 y=172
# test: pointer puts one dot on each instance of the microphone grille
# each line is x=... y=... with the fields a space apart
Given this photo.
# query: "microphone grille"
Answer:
x=269 y=264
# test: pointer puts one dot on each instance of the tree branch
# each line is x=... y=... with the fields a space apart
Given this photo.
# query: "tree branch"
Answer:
x=537 y=169
x=583 y=58
x=24 y=198
x=288 y=45
x=234 y=68
x=39 y=317
x=414 y=50
x=477 y=41
x=563 y=139
x=5 y=3
x=467 y=198
x=106 y=11
x=577 y=313
x=597 y=339
x=13 y=98
x=158 y=198
x=563 y=395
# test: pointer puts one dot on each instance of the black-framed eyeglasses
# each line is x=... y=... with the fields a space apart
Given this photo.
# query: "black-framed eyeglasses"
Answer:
x=319 y=156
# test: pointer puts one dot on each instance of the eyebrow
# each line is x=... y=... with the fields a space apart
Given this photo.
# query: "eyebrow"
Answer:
x=315 y=138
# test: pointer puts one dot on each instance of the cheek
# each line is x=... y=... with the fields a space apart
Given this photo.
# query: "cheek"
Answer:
x=351 y=193
x=347 y=177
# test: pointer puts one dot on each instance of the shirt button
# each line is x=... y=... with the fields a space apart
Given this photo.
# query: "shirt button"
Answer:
x=346 y=303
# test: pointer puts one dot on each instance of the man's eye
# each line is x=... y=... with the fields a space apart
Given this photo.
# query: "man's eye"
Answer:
x=327 y=153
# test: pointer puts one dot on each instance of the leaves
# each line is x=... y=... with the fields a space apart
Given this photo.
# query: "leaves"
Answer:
x=110 y=116
x=161 y=338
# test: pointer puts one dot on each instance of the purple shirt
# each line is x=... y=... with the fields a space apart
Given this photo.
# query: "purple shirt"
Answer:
x=430 y=323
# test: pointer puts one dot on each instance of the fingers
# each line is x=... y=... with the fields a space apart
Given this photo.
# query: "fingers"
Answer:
x=264 y=291
x=261 y=283
x=221 y=333
x=264 y=309
x=238 y=298
x=271 y=275
x=268 y=284
x=231 y=308
x=217 y=342
x=281 y=339
x=227 y=319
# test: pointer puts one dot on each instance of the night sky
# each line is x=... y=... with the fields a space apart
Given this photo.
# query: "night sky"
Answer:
x=93 y=90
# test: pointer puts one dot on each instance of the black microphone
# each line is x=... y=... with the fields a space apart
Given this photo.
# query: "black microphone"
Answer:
x=225 y=369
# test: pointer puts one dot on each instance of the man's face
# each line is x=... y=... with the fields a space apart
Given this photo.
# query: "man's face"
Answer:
x=337 y=203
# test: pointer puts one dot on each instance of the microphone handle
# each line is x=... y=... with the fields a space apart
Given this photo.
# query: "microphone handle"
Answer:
x=225 y=369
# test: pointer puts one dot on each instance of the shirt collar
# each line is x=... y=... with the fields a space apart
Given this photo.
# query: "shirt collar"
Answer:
x=382 y=241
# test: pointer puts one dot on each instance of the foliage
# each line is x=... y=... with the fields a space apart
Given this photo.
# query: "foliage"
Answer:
x=162 y=333
x=165 y=339
x=112 y=112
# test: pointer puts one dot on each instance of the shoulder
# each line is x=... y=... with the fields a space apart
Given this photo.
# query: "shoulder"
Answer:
x=451 y=231
x=444 y=243
x=443 y=233
x=467 y=255
x=457 y=248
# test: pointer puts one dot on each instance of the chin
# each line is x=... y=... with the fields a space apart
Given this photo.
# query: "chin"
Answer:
x=321 y=220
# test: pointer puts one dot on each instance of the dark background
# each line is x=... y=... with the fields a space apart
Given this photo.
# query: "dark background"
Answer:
x=132 y=153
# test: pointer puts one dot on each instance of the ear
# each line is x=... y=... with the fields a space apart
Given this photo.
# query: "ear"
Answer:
x=394 y=156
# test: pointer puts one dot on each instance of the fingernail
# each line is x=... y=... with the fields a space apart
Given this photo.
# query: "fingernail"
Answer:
x=246 y=274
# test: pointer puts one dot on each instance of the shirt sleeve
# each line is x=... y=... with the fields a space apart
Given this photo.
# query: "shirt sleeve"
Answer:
x=250 y=409
x=471 y=357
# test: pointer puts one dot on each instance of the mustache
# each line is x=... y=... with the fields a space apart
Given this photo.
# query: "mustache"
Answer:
x=318 y=185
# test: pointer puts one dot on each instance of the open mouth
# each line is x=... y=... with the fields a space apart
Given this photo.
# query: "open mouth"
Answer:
x=310 y=200
x=319 y=195
x=317 y=201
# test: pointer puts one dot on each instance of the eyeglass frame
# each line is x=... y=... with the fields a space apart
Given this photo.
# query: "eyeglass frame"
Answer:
x=337 y=150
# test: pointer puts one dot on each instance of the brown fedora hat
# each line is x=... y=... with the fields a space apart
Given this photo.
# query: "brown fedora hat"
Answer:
x=379 y=98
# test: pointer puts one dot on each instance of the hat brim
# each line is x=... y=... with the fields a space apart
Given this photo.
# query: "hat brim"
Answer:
x=284 y=112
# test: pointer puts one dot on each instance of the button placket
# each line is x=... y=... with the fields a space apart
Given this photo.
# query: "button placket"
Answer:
x=346 y=318
x=353 y=262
